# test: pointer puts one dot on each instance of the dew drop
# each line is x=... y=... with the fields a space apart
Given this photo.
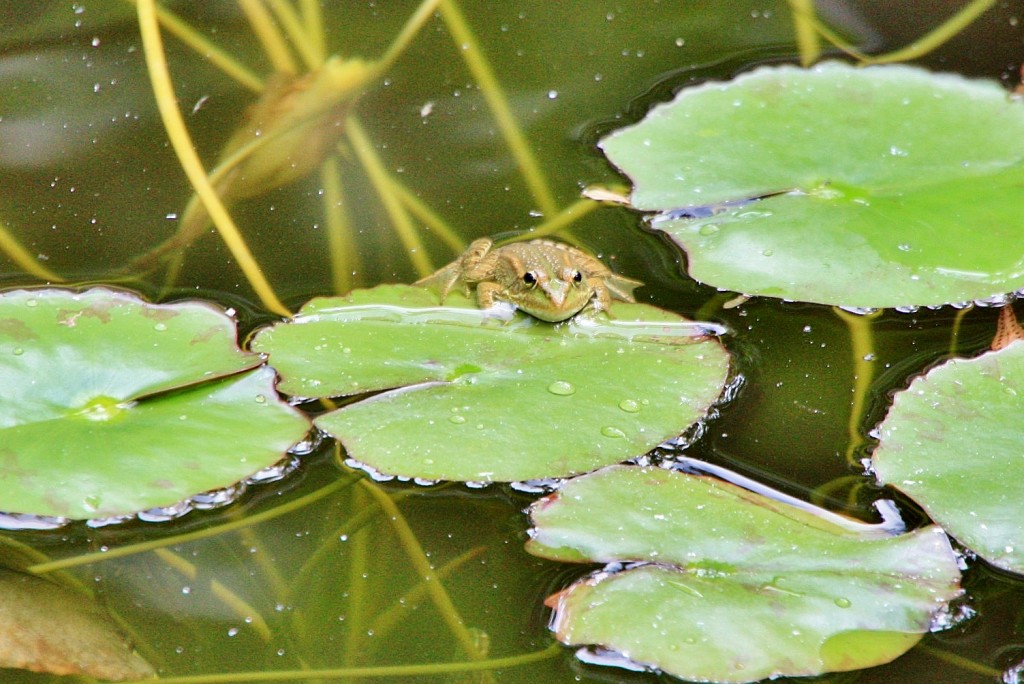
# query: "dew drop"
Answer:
x=614 y=432
x=561 y=388
x=456 y=419
x=31 y=302
x=708 y=229
x=17 y=351
x=160 y=327
x=629 y=406
x=843 y=602
x=261 y=399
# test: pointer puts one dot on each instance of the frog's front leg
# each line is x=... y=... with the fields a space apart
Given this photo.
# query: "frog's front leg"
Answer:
x=492 y=298
x=602 y=299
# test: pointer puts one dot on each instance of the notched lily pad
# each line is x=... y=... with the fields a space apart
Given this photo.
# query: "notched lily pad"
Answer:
x=112 y=405
x=868 y=200
x=47 y=628
x=468 y=397
x=729 y=586
x=952 y=442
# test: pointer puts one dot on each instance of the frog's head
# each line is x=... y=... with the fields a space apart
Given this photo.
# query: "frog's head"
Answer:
x=550 y=291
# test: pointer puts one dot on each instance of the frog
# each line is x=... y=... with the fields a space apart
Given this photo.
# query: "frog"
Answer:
x=549 y=280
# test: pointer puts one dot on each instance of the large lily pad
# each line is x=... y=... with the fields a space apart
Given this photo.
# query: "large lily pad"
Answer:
x=952 y=442
x=869 y=200
x=469 y=397
x=732 y=586
x=112 y=405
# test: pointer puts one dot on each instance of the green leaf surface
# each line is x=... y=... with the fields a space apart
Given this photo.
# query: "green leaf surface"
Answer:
x=952 y=442
x=112 y=405
x=868 y=199
x=479 y=399
x=733 y=586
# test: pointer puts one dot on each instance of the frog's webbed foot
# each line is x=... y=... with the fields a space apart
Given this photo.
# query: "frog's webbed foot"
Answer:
x=443 y=281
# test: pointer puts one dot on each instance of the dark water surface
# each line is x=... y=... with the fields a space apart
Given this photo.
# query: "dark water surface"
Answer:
x=87 y=182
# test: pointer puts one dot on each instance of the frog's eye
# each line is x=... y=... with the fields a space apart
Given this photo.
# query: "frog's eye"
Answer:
x=529 y=278
x=577 y=277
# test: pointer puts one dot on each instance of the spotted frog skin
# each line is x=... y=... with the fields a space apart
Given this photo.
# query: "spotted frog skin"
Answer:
x=549 y=280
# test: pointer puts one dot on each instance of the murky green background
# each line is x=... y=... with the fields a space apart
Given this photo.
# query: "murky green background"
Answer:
x=87 y=181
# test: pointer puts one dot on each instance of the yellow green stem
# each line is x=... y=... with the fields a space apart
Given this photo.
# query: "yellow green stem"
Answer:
x=805 y=30
x=862 y=346
x=564 y=218
x=239 y=606
x=954 y=334
x=142 y=547
x=341 y=247
x=266 y=31
x=296 y=31
x=428 y=576
x=209 y=50
x=312 y=18
x=412 y=26
x=163 y=89
x=467 y=45
x=22 y=259
x=936 y=37
x=385 y=187
x=396 y=671
x=433 y=221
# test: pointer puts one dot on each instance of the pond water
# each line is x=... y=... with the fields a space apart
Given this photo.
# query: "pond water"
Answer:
x=90 y=183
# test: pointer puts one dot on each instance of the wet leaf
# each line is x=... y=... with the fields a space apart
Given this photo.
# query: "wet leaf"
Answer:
x=732 y=586
x=47 y=628
x=868 y=201
x=112 y=405
x=952 y=442
x=470 y=397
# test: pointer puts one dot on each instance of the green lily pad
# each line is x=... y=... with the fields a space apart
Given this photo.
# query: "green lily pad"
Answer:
x=732 y=586
x=112 y=405
x=952 y=442
x=868 y=199
x=469 y=397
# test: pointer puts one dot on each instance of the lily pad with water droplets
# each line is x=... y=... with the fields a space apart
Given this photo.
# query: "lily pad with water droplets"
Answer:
x=112 y=405
x=876 y=184
x=952 y=442
x=465 y=396
x=726 y=585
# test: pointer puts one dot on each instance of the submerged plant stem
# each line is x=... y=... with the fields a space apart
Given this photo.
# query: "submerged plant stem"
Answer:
x=936 y=37
x=181 y=141
x=560 y=222
x=405 y=671
x=804 y=26
x=142 y=547
x=209 y=50
x=312 y=18
x=295 y=29
x=467 y=45
x=422 y=566
x=239 y=606
x=266 y=31
x=25 y=261
x=862 y=346
x=341 y=245
x=385 y=187
x=412 y=26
